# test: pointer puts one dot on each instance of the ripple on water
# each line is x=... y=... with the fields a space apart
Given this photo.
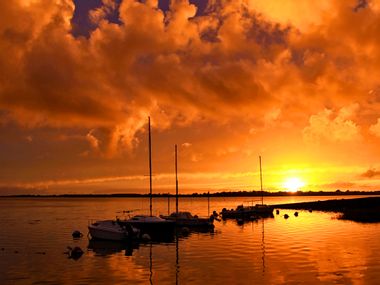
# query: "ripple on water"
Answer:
x=312 y=248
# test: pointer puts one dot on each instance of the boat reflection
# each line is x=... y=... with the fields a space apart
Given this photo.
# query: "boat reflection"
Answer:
x=106 y=247
x=150 y=256
x=243 y=222
x=263 y=244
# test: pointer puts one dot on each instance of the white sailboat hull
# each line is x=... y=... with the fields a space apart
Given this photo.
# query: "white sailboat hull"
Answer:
x=108 y=230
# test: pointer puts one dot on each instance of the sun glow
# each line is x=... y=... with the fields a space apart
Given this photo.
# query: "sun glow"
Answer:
x=293 y=184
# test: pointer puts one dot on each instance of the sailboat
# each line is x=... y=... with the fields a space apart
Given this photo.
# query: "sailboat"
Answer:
x=259 y=210
x=112 y=230
x=186 y=219
x=149 y=223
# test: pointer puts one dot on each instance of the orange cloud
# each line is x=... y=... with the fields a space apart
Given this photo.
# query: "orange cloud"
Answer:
x=371 y=173
x=290 y=69
x=338 y=128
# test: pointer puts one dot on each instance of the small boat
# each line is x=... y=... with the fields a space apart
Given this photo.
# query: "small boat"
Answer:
x=186 y=219
x=112 y=230
x=150 y=224
x=259 y=210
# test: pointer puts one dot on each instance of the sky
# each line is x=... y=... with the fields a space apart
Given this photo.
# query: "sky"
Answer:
x=296 y=82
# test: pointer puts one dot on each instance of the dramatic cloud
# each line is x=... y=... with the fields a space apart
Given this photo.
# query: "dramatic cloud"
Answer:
x=371 y=173
x=375 y=129
x=325 y=126
x=230 y=77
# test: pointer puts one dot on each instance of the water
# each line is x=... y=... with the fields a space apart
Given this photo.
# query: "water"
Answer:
x=314 y=248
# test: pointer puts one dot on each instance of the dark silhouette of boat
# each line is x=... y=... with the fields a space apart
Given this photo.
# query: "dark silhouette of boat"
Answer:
x=149 y=224
x=250 y=212
x=186 y=219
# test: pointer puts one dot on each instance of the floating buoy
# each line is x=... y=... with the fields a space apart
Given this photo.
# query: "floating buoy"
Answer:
x=310 y=210
x=296 y=214
x=277 y=212
x=286 y=216
x=146 y=237
x=77 y=234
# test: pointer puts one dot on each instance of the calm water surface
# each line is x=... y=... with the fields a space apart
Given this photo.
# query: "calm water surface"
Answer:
x=314 y=248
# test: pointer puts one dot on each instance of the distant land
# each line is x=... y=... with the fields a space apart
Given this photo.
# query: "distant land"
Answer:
x=365 y=210
x=205 y=194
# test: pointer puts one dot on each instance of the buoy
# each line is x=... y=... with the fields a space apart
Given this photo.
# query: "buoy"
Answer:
x=77 y=234
x=146 y=237
x=286 y=216
x=296 y=214
x=277 y=212
x=310 y=210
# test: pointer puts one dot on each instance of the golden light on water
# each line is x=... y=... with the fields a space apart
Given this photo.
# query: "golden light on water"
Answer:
x=293 y=184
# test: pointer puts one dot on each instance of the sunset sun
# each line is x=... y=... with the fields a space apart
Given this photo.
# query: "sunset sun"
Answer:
x=293 y=184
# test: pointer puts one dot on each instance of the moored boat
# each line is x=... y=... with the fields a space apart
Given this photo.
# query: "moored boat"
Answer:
x=112 y=230
x=154 y=226
x=186 y=219
x=259 y=210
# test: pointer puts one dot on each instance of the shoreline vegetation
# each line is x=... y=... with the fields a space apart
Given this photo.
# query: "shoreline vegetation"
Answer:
x=365 y=210
x=205 y=194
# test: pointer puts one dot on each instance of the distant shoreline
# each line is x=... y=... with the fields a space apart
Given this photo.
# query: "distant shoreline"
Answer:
x=365 y=210
x=216 y=194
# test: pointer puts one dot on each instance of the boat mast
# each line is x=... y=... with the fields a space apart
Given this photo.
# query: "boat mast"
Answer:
x=176 y=181
x=261 y=183
x=150 y=169
x=208 y=204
